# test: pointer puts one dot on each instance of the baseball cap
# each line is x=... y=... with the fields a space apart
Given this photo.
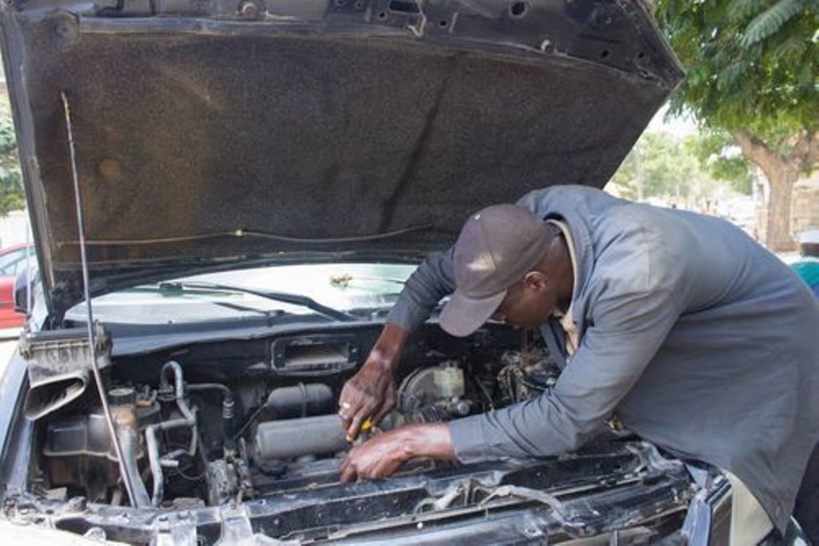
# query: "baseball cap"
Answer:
x=496 y=248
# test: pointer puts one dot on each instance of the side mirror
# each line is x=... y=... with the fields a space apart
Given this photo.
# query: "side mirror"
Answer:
x=21 y=288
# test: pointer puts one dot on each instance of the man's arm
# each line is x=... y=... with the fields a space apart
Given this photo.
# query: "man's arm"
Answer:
x=370 y=393
x=433 y=280
x=384 y=454
x=629 y=327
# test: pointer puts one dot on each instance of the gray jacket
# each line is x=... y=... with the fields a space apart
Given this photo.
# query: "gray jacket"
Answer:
x=696 y=337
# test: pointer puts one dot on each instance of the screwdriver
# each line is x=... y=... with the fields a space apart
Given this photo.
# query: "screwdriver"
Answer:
x=366 y=426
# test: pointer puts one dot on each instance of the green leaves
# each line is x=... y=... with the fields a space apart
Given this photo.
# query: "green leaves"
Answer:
x=739 y=10
x=752 y=64
x=718 y=155
x=12 y=196
x=771 y=20
x=665 y=166
x=690 y=171
x=8 y=139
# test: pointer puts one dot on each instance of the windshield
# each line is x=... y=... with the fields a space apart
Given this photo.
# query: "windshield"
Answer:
x=332 y=290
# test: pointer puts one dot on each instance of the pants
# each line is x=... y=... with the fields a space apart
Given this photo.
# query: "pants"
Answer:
x=806 y=510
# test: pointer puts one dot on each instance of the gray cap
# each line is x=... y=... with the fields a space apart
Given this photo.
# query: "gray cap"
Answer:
x=496 y=248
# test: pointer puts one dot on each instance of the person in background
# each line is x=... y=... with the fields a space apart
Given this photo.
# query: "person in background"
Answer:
x=808 y=266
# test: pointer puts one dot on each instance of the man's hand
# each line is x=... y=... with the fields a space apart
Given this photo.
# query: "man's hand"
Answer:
x=370 y=393
x=383 y=455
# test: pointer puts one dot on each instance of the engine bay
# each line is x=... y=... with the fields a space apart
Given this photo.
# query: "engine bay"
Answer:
x=230 y=437
x=206 y=425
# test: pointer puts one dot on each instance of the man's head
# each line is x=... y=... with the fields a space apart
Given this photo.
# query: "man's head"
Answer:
x=508 y=265
x=809 y=243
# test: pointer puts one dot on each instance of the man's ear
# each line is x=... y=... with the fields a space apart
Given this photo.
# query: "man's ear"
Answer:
x=536 y=280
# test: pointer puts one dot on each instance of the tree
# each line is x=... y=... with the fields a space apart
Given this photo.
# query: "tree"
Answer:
x=12 y=196
x=679 y=170
x=752 y=72
x=650 y=170
x=718 y=154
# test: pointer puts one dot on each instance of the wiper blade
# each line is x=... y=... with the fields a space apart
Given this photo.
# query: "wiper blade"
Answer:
x=292 y=299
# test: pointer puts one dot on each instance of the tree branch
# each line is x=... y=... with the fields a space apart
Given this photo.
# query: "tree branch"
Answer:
x=805 y=152
x=755 y=149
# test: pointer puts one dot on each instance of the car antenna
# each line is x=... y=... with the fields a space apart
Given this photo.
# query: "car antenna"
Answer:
x=126 y=477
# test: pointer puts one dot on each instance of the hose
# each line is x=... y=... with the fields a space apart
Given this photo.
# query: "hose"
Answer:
x=228 y=408
x=188 y=420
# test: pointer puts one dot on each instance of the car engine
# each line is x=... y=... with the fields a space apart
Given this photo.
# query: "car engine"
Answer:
x=199 y=429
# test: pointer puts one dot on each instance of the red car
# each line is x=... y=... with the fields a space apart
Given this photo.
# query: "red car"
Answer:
x=12 y=261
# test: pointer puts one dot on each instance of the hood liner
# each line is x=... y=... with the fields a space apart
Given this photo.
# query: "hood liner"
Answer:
x=185 y=138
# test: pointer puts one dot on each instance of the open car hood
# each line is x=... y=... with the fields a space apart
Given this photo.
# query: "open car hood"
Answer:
x=207 y=133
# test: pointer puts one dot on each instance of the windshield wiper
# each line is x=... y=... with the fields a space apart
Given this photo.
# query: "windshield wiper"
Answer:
x=292 y=299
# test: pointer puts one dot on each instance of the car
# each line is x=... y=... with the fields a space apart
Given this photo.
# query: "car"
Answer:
x=13 y=260
x=226 y=199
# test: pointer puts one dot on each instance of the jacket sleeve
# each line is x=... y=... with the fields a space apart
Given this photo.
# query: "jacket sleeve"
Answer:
x=433 y=280
x=637 y=307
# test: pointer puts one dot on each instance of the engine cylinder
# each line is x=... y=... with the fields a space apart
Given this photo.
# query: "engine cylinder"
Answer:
x=293 y=438
x=300 y=401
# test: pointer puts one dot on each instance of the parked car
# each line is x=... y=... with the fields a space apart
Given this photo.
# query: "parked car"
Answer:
x=226 y=199
x=13 y=260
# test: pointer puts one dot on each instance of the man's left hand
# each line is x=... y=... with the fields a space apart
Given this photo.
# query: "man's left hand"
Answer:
x=384 y=454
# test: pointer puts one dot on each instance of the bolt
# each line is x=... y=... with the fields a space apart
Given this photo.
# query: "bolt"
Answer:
x=249 y=9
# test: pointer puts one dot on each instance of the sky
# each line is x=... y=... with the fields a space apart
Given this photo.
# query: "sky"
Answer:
x=682 y=126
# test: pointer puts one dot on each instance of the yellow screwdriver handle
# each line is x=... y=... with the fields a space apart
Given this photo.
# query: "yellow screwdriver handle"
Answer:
x=366 y=426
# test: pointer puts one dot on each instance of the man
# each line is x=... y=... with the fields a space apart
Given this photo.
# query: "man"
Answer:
x=676 y=325
x=808 y=266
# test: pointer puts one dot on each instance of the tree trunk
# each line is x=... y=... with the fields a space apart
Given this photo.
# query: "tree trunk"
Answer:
x=781 y=179
x=781 y=172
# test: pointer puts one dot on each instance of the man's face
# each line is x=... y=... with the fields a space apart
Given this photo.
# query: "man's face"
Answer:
x=529 y=303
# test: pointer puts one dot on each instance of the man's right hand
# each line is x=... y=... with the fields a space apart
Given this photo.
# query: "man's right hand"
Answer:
x=370 y=393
